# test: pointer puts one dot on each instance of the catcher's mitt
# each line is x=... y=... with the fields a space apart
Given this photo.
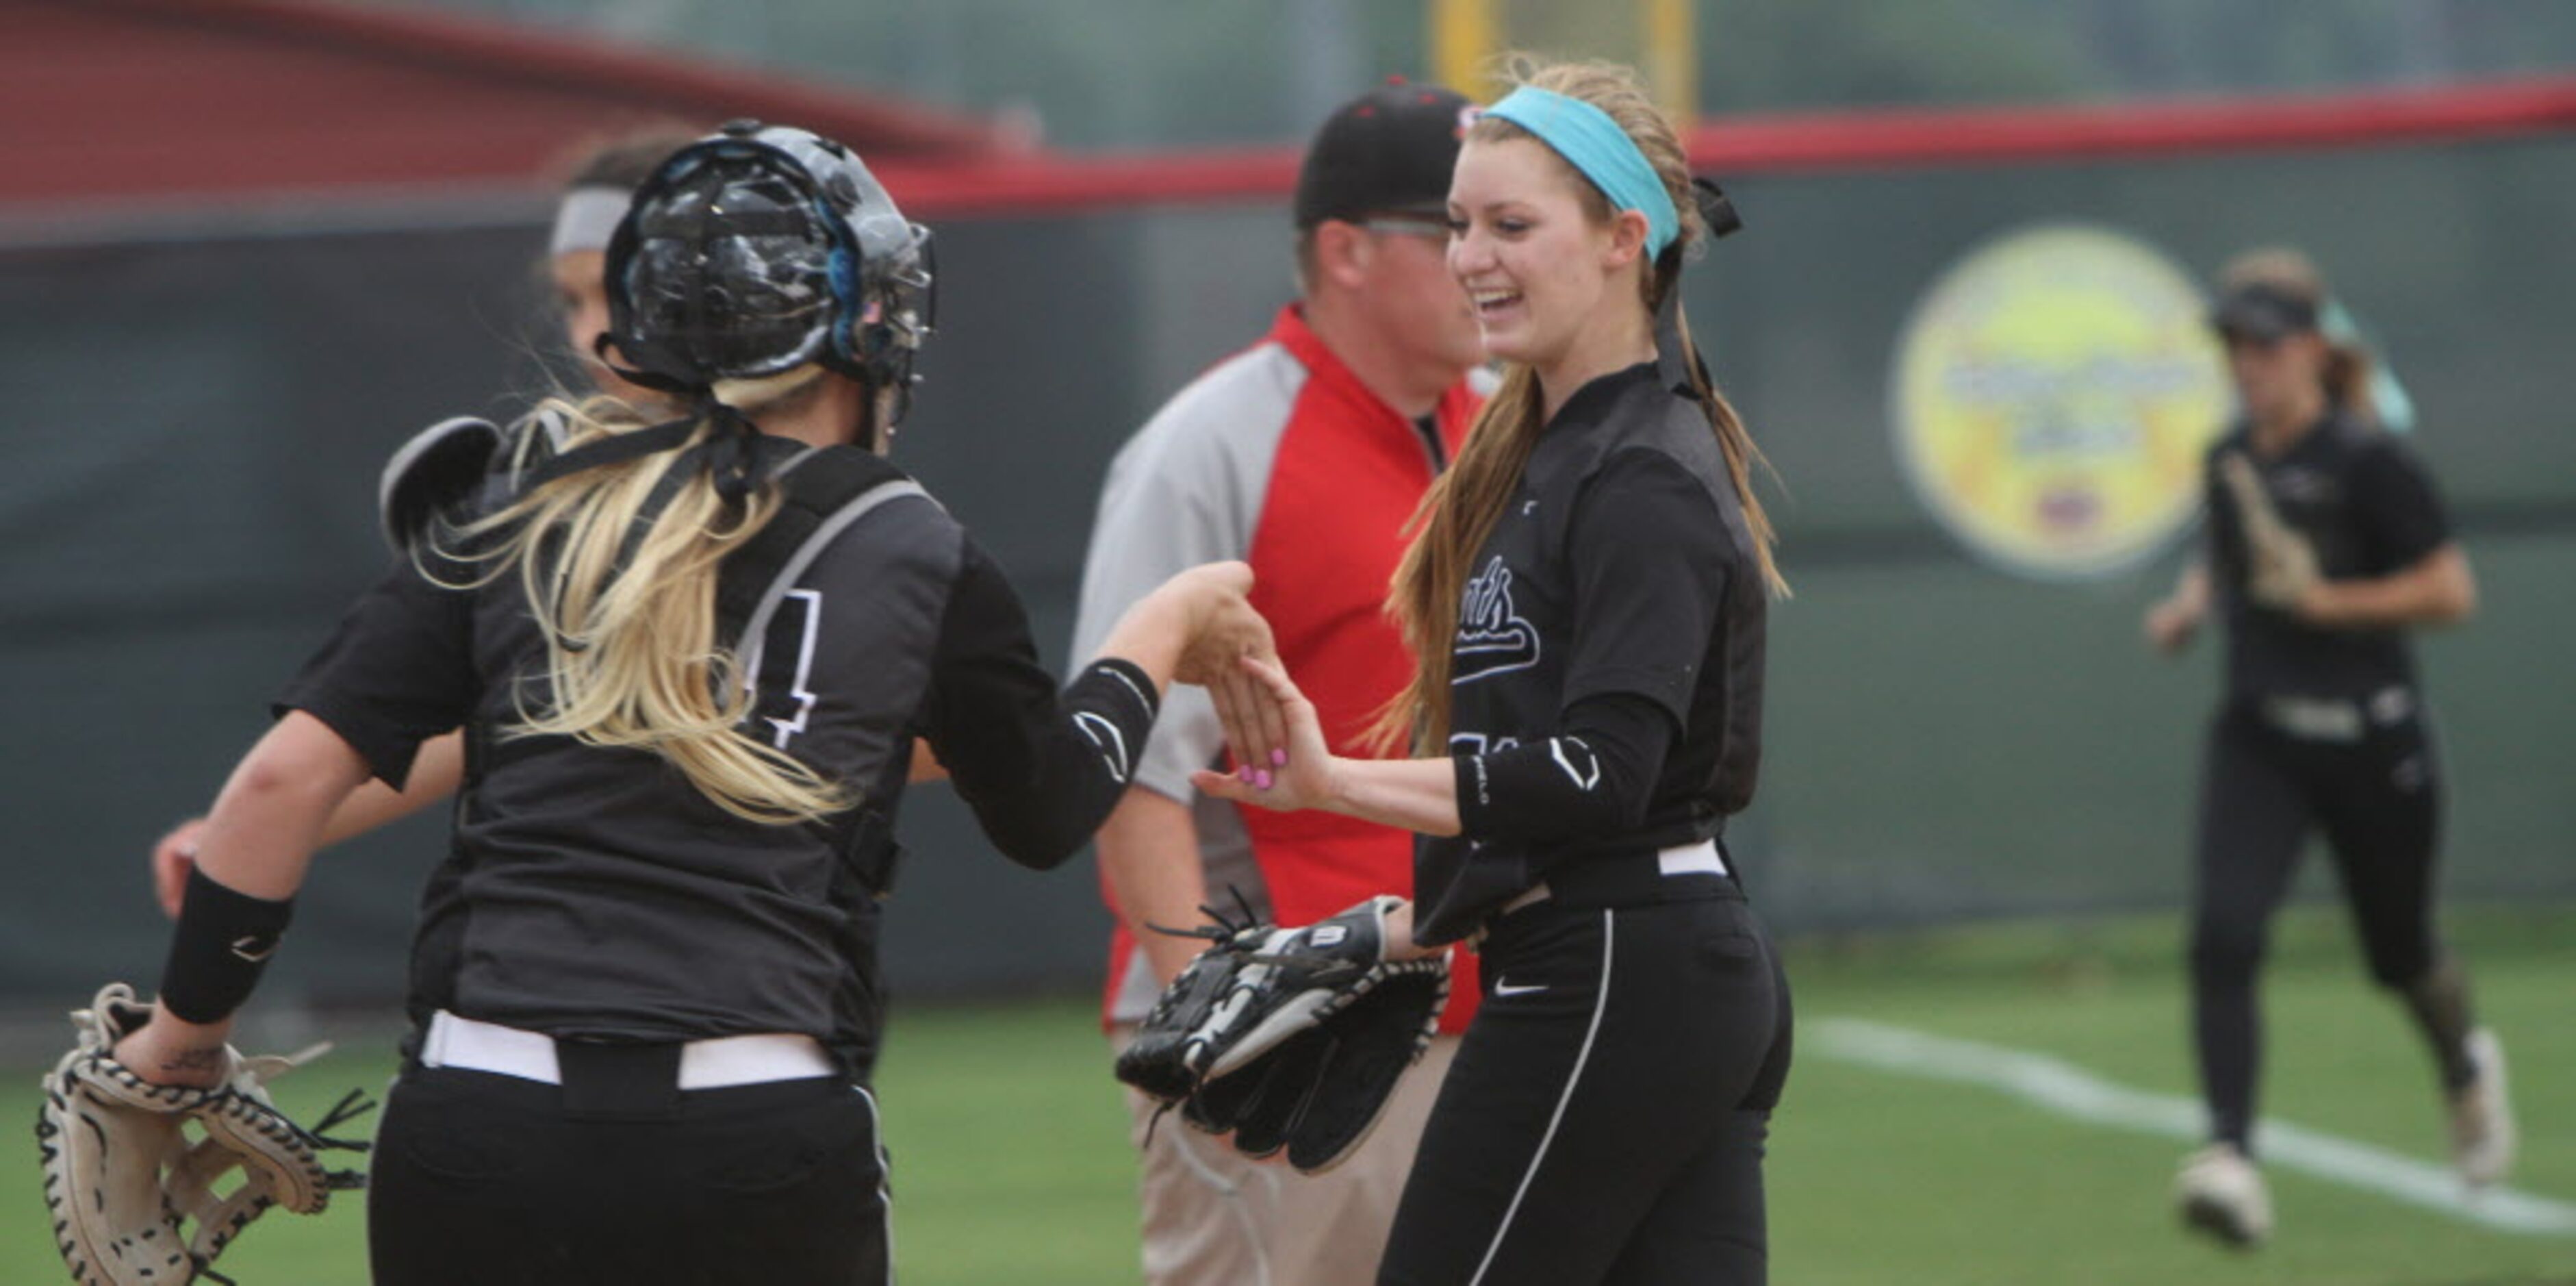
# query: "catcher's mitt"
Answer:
x=135 y=1198
x=1290 y=1038
x=1168 y=1058
x=1320 y=1092
x=2280 y=564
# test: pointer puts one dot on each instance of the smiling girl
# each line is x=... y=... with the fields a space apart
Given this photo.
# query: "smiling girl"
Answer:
x=1587 y=592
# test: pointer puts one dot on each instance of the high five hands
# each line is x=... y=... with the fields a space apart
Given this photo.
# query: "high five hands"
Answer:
x=1222 y=625
x=1276 y=739
x=1269 y=725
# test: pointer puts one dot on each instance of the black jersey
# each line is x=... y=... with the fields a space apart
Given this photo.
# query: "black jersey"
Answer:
x=2369 y=508
x=595 y=893
x=1622 y=568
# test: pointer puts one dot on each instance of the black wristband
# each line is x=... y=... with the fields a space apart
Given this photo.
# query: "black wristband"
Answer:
x=223 y=942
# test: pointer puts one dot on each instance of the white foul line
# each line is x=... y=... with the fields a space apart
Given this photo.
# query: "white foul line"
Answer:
x=2068 y=1090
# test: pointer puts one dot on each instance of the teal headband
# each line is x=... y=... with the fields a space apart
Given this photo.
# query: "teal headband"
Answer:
x=1593 y=143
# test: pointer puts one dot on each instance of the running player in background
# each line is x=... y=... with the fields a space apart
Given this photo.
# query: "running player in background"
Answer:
x=2327 y=543
x=1302 y=455
x=1587 y=596
x=595 y=192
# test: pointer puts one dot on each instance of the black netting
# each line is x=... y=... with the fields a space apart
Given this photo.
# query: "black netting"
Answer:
x=197 y=427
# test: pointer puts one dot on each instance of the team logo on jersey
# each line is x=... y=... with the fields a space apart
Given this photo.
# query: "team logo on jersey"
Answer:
x=2052 y=398
x=2299 y=486
x=1492 y=638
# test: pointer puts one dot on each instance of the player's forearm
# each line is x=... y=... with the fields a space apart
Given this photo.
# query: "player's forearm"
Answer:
x=1399 y=936
x=240 y=896
x=1153 y=633
x=1418 y=795
x=2438 y=589
x=170 y=1050
x=2190 y=595
x=2173 y=619
x=1149 y=861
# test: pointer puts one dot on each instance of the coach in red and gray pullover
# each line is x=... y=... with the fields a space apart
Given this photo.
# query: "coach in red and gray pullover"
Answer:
x=1304 y=456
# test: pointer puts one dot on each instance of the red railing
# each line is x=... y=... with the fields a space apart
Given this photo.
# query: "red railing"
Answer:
x=1825 y=142
x=522 y=58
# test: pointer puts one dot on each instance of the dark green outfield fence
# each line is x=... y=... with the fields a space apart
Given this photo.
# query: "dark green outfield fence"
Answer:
x=195 y=418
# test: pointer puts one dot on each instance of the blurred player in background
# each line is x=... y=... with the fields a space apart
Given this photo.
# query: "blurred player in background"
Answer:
x=595 y=192
x=1588 y=597
x=2327 y=543
x=640 y=1028
x=594 y=198
x=1303 y=455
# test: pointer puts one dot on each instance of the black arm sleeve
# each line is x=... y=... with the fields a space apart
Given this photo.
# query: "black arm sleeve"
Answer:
x=1595 y=778
x=1041 y=770
x=398 y=671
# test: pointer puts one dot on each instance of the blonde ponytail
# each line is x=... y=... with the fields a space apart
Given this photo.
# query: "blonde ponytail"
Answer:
x=625 y=600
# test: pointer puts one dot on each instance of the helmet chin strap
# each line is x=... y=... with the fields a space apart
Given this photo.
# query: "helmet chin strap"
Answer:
x=600 y=348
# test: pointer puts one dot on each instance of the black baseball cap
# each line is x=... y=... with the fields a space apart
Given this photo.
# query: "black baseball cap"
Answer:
x=2261 y=311
x=1388 y=151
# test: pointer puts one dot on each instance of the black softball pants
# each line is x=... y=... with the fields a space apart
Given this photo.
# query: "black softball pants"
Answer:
x=2377 y=800
x=498 y=1181
x=1605 y=1119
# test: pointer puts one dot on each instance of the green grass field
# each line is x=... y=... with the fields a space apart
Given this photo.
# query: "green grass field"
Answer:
x=1011 y=1164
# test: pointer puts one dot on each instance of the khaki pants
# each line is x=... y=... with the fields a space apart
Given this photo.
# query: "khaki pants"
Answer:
x=1214 y=1217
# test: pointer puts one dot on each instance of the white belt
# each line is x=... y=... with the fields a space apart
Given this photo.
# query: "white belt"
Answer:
x=2308 y=719
x=2330 y=719
x=1685 y=859
x=478 y=1046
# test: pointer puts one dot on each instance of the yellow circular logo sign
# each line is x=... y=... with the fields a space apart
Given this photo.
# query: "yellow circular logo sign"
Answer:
x=2053 y=396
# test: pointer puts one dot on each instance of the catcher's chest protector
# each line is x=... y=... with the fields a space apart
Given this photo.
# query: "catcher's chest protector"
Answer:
x=464 y=462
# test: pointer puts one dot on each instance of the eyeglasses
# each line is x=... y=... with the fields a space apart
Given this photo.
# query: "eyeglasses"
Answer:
x=2234 y=340
x=1406 y=225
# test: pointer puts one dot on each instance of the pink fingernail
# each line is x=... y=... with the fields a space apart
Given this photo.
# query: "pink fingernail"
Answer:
x=1244 y=774
x=1262 y=779
x=1278 y=758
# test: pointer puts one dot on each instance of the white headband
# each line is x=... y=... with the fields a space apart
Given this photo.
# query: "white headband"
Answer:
x=586 y=218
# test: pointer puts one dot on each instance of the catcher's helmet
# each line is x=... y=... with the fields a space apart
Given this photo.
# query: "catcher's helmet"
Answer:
x=758 y=249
